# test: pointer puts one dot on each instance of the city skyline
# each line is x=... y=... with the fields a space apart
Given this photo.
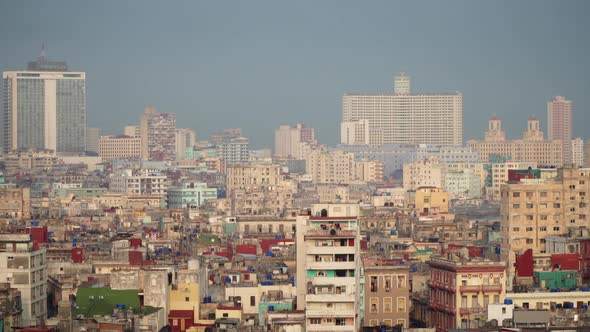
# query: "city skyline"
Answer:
x=226 y=72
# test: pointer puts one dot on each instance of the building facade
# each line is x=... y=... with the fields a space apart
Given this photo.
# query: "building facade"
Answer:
x=578 y=152
x=44 y=109
x=190 y=194
x=386 y=293
x=288 y=140
x=328 y=258
x=234 y=150
x=24 y=267
x=119 y=147
x=402 y=117
x=158 y=135
x=253 y=177
x=533 y=210
x=143 y=182
x=461 y=289
x=15 y=203
x=185 y=138
x=560 y=124
x=531 y=148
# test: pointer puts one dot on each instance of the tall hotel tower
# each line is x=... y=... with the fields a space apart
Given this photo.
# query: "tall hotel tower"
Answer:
x=44 y=108
x=560 y=124
x=402 y=117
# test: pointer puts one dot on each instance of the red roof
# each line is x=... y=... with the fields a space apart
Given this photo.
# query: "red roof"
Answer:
x=249 y=249
x=181 y=314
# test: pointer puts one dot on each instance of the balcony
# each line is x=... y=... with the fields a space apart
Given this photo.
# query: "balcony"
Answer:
x=473 y=310
x=330 y=250
x=331 y=265
x=330 y=234
x=492 y=288
x=470 y=289
x=312 y=313
x=334 y=298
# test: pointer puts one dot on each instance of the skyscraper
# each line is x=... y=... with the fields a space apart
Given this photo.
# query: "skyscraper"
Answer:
x=158 y=135
x=44 y=108
x=402 y=117
x=560 y=124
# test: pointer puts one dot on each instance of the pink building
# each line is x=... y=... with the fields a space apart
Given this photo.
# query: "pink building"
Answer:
x=559 y=125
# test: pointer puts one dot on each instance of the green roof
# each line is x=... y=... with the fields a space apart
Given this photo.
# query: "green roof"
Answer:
x=102 y=301
x=206 y=239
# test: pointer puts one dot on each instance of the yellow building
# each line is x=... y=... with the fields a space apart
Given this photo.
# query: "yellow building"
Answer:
x=119 y=147
x=185 y=296
x=430 y=200
x=534 y=209
x=253 y=177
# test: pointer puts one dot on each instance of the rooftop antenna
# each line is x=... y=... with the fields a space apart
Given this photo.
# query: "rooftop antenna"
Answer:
x=42 y=55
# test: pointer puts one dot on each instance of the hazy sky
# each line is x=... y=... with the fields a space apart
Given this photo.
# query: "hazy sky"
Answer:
x=259 y=64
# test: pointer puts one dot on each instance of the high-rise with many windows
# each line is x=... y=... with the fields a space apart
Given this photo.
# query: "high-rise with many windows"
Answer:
x=44 y=108
x=158 y=135
x=402 y=117
x=560 y=124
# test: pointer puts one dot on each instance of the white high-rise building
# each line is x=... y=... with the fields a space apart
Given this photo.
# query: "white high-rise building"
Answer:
x=402 y=117
x=44 y=108
x=578 y=152
x=328 y=263
x=560 y=124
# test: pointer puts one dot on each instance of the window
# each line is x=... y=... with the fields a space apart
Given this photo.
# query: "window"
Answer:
x=556 y=205
x=401 y=304
x=529 y=229
x=543 y=205
x=387 y=305
x=373 y=284
x=543 y=194
x=516 y=194
x=516 y=206
x=187 y=299
x=496 y=298
x=556 y=228
x=503 y=310
x=374 y=305
x=401 y=281
x=515 y=229
x=387 y=283
x=543 y=217
x=225 y=315
x=252 y=301
x=516 y=218
x=529 y=217
x=529 y=205
x=315 y=321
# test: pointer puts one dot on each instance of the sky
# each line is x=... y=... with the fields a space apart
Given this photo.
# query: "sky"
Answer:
x=260 y=64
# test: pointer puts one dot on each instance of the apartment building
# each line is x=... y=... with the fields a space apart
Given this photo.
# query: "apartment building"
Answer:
x=158 y=135
x=337 y=167
x=531 y=148
x=328 y=258
x=423 y=173
x=15 y=203
x=499 y=175
x=578 y=152
x=288 y=140
x=234 y=150
x=386 y=293
x=253 y=177
x=461 y=289
x=402 y=117
x=185 y=138
x=535 y=209
x=142 y=182
x=30 y=161
x=119 y=147
x=190 y=195
x=23 y=265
